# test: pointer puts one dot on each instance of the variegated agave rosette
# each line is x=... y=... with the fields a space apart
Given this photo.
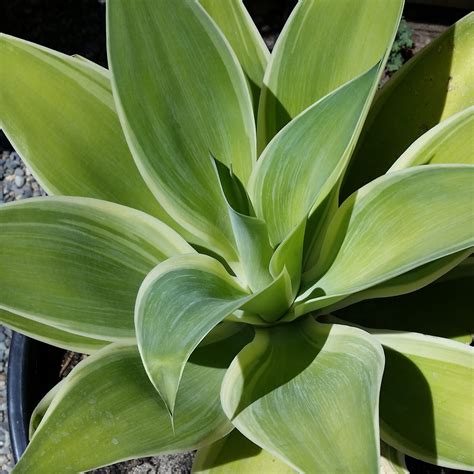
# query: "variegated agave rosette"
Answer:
x=236 y=238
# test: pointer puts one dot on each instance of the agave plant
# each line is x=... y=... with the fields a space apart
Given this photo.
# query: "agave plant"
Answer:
x=266 y=259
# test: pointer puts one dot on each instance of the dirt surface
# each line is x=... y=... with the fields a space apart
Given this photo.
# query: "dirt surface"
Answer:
x=424 y=33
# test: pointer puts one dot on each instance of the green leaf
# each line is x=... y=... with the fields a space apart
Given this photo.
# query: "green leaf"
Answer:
x=323 y=45
x=272 y=302
x=108 y=408
x=443 y=308
x=77 y=263
x=316 y=228
x=59 y=114
x=435 y=84
x=288 y=258
x=239 y=29
x=392 y=461
x=254 y=249
x=303 y=163
x=289 y=389
x=180 y=302
x=426 y=398
x=448 y=142
x=236 y=454
x=251 y=234
x=396 y=223
x=232 y=188
x=49 y=334
x=406 y=282
x=176 y=113
x=42 y=407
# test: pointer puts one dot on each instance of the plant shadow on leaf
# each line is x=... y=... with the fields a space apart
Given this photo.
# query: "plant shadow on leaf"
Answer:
x=234 y=447
x=316 y=227
x=421 y=311
x=279 y=115
x=277 y=369
x=320 y=255
x=255 y=90
x=220 y=353
x=386 y=135
x=406 y=404
x=205 y=251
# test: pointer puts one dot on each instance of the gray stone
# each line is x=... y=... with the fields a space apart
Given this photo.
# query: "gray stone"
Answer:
x=19 y=172
x=19 y=181
x=27 y=193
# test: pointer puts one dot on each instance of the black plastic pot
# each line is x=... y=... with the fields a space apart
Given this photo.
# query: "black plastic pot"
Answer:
x=33 y=369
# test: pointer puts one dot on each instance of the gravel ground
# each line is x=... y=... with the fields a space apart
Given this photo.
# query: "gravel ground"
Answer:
x=16 y=183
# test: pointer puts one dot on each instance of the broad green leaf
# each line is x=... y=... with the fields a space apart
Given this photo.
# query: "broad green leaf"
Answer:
x=435 y=84
x=290 y=388
x=180 y=302
x=239 y=29
x=426 y=398
x=108 y=408
x=451 y=141
x=323 y=45
x=236 y=454
x=178 y=112
x=396 y=223
x=406 y=282
x=77 y=263
x=59 y=114
x=391 y=460
x=49 y=334
x=303 y=163
x=443 y=308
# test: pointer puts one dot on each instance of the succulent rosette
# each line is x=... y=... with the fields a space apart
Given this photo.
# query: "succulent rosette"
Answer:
x=266 y=257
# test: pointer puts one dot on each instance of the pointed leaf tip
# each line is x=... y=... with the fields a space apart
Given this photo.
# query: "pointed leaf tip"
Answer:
x=178 y=304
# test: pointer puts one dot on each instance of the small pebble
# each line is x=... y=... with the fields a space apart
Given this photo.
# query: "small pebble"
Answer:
x=27 y=193
x=16 y=180
x=19 y=181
